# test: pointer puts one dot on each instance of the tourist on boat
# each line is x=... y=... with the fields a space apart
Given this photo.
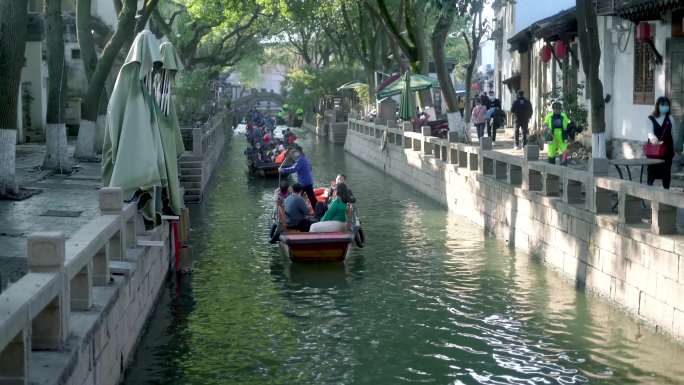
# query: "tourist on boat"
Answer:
x=296 y=210
x=281 y=154
x=335 y=218
x=302 y=167
x=289 y=137
x=282 y=192
x=342 y=179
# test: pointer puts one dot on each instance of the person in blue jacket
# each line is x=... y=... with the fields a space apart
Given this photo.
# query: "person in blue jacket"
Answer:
x=302 y=167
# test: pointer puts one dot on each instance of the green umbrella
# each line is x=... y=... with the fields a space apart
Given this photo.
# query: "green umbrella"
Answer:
x=132 y=155
x=418 y=83
x=406 y=106
x=165 y=111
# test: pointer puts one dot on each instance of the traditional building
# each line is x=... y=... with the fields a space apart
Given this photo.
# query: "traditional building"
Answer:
x=514 y=25
x=642 y=59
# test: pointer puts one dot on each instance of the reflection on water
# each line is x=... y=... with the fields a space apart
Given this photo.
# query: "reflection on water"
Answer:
x=430 y=299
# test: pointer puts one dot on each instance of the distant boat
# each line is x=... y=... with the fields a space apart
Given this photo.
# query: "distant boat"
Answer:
x=259 y=168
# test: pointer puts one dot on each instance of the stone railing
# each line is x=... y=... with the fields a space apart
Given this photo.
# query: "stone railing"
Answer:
x=203 y=152
x=198 y=140
x=35 y=311
x=591 y=190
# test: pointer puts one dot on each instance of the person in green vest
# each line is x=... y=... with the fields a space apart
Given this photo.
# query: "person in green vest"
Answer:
x=557 y=123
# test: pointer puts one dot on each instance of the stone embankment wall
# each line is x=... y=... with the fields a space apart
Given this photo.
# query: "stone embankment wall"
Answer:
x=593 y=229
x=76 y=317
x=332 y=126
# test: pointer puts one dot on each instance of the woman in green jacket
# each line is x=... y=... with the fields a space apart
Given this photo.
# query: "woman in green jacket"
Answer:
x=335 y=218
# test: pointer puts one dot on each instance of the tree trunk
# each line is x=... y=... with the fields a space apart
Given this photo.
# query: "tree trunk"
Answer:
x=13 y=28
x=468 y=101
x=590 y=51
x=85 y=37
x=439 y=36
x=473 y=49
x=85 y=147
x=56 y=154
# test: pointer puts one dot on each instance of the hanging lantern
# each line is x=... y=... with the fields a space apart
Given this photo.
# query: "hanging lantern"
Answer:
x=644 y=32
x=545 y=54
x=561 y=49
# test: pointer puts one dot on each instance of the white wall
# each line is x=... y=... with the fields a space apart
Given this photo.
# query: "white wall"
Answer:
x=509 y=60
x=629 y=121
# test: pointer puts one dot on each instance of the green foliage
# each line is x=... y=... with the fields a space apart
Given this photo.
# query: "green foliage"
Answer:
x=249 y=70
x=308 y=86
x=192 y=91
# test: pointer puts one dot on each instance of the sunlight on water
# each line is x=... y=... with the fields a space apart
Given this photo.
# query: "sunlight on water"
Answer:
x=430 y=299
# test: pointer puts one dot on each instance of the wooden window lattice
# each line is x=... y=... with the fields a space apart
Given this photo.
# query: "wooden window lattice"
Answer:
x=644 y=77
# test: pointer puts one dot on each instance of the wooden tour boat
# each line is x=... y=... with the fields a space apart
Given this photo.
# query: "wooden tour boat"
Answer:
x=256 y=167
x=316 y=247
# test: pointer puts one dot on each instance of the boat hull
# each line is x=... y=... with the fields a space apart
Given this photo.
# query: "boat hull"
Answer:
x=268 y=170
x=316 y=247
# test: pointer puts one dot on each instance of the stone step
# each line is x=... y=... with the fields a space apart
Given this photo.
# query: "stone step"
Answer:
x=190 y=166
x=192 y=185
x=191 y=171
x=190 y=178
x=192 y=198
x=191 y=158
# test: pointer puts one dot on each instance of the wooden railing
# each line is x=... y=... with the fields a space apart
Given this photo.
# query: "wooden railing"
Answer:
x=35 y=310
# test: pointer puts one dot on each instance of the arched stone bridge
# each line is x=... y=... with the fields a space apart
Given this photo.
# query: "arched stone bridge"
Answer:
x=267 y=102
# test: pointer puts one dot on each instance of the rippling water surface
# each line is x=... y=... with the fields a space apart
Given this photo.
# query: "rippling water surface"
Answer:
x=430 y=300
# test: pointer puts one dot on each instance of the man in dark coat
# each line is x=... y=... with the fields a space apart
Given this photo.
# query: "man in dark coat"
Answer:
x=522 y=111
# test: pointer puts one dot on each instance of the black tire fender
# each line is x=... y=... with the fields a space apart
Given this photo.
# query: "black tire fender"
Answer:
x=274 y=234
x=359 y=238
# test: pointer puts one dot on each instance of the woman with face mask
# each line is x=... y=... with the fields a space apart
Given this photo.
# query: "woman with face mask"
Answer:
x=660 y=127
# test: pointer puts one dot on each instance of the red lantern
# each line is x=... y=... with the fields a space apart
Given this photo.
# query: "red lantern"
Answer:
x=644 y=32
x=545 y=54
x=561 y=49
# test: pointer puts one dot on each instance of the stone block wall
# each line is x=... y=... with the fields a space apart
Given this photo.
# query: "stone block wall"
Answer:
x=628 y=264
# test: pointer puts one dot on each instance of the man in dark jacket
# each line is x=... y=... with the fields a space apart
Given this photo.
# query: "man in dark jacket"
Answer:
x=522 y=111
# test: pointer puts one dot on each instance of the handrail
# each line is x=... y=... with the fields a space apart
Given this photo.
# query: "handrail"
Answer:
x=34 y=311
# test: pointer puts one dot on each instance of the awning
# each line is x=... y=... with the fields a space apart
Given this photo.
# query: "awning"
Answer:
x=418 y=83
x=638 y=10
x=562 y=25
x=388 y=81
x=522 y=41
x=513 y=83
x=514 y=78
x=352 y=86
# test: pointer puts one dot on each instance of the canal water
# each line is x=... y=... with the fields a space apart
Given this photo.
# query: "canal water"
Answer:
x=430 y=299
